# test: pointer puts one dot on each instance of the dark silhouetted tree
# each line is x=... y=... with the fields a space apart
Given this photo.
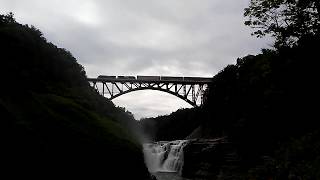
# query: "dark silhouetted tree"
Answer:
x=286 y=20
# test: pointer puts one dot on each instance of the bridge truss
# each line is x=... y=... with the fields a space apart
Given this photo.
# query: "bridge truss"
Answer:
x=190 y=91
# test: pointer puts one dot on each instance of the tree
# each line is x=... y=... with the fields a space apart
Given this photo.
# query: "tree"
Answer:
x=7 y=18
x=286 y=20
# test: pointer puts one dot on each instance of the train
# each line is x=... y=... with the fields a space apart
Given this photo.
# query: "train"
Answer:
x=126 y=78
x=154 y=78
x=107 y=77
x=149 y=78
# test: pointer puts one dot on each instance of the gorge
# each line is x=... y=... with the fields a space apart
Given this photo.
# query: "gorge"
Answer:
x=257 y=119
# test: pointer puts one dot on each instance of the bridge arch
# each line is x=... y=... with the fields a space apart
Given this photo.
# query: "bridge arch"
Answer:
x=156 y=89
x=190 y=89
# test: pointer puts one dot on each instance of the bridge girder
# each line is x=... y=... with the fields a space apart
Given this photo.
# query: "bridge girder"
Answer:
x=191 y=92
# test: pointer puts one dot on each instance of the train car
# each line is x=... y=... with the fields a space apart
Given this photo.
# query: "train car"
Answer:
x=126 y=77
x=207 y=79
x=193 y=79
x=197 y=79
x=106 y=77
x=171 y=78
x=131 y=77
x=148 y=78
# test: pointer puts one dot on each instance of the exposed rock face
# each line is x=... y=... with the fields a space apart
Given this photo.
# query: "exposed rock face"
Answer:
x=208 y=159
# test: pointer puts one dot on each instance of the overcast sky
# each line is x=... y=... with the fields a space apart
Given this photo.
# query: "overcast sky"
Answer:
x=144 y=37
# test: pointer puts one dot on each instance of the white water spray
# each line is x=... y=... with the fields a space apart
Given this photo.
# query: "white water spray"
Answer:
x=164 y=156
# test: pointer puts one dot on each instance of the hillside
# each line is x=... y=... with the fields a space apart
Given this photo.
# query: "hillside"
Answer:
x=265 y=105
x=53 y=122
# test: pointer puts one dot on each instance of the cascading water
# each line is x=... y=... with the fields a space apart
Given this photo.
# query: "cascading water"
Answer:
x=164 y=156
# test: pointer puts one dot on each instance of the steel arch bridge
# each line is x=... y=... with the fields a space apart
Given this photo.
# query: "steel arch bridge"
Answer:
x=189 y=89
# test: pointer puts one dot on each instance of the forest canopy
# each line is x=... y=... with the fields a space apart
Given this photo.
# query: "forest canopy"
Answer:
x=286 y=20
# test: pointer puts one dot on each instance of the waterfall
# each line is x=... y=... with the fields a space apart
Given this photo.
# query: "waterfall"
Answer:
x=164 y=156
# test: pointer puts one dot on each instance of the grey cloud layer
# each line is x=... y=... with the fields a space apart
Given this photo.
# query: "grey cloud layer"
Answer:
x=167 y=37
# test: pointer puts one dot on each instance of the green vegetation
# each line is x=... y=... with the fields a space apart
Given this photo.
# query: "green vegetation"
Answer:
x=286 y=20
x=266 y=104
x=52 y=121
x=177 y=125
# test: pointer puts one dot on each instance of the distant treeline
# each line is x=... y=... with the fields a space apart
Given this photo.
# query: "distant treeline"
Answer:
x=177 y=125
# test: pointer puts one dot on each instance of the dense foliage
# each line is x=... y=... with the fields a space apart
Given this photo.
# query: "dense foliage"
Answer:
x=177 y=125
x=266 y=104
x=267 y=107
x=265 y=101
x=286 y=20
x=52 y=121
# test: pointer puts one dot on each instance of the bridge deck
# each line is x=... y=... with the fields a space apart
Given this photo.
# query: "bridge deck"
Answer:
x=201 y=81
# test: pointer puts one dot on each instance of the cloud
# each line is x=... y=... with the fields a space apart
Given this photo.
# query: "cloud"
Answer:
x=145 y=37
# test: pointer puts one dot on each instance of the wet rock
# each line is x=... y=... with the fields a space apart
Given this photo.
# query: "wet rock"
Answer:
x=152 y=177
x=208 y=158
